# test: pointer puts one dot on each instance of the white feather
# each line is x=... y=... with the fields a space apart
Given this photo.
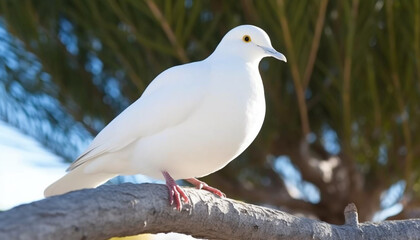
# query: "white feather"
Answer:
x=77 y=179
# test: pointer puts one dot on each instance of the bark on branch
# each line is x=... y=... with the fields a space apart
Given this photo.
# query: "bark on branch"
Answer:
x=129 y=209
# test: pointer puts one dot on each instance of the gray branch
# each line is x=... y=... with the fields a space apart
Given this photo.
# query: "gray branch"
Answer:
x=129 y=209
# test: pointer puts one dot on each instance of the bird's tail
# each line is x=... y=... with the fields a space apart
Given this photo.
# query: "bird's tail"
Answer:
x=77 y=179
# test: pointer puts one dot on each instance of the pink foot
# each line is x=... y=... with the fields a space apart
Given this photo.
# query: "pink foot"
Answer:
x=175 y=192
x=202 y=185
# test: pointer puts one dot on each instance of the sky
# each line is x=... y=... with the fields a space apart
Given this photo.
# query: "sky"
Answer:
x=26 y=168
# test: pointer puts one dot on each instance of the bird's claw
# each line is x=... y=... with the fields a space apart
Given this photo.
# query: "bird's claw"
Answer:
x=202 y=185
x=214 y=190
x=175 y=192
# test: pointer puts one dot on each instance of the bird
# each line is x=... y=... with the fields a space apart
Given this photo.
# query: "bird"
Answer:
x=191 y=120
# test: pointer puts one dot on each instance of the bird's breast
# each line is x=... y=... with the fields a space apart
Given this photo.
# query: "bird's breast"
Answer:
x=228 y=120
x=236 y=110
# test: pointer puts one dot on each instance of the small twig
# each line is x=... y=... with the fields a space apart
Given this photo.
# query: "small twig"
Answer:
x=350 y=215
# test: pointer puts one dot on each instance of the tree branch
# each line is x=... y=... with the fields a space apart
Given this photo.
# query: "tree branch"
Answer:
x=129 y=209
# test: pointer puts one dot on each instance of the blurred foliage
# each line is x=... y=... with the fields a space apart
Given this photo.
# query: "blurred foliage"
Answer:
x=350 y=88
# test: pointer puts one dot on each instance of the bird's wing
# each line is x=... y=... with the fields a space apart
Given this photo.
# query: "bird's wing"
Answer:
x=167 y=101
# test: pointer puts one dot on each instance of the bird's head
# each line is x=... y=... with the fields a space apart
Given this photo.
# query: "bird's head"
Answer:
x=248 y=42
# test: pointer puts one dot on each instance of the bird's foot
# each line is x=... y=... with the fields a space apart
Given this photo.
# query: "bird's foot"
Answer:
x=175 y=192
x=202 y=185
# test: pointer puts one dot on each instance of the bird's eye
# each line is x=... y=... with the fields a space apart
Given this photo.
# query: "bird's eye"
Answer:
x=246 y=38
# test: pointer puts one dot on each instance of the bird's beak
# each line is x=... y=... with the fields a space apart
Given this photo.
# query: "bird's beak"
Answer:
x=273 y=53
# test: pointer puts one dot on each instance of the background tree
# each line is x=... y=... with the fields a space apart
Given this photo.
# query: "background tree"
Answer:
x=342 y=114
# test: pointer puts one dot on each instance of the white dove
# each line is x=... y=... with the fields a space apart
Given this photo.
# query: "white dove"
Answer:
x=191 y=121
